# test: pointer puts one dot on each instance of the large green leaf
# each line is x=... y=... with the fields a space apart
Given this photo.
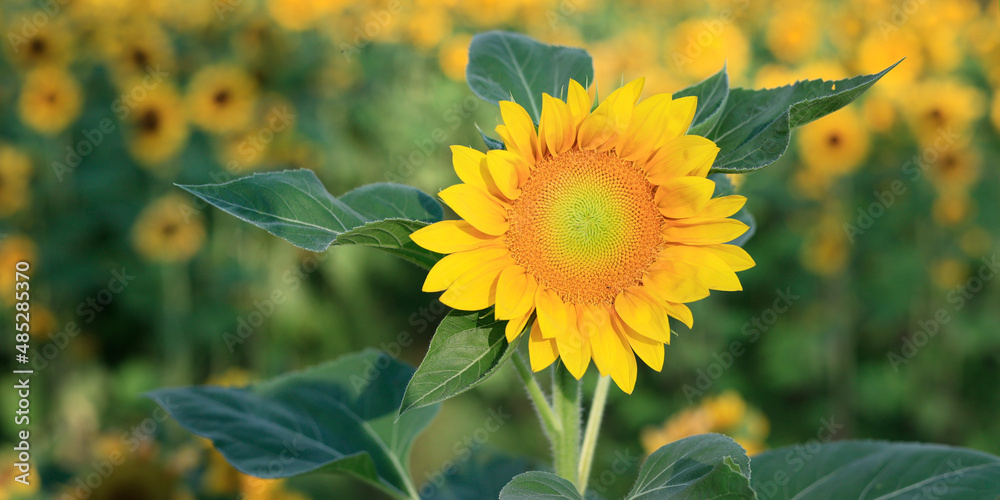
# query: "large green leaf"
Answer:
x=867 y=470
x=697 y=467
x=539 y=485
x=712 y=94
x=466 y=349
x=753 y=131
x=506 y=66
x=479 y=474
x=295 y=206
x=337 y=417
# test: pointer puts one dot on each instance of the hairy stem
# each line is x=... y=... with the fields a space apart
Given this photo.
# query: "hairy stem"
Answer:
x=550 y=424
x=591 y=432
x=566 y=403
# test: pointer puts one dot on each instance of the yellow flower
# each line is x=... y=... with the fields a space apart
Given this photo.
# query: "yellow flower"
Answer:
x=825 y=250
x=14 y=249
x=454 y=56
x=600 y=222
x=52 y=43
x=157 y=125
x=139 y=48
x=50 y=99
x=836 y=143
x=298 y=15
x=222 y=98
x=949 y=273
x=14 y=490
x=952 y=207
x=168 y=231
x=15 y=179
x=941 y=107
x=877 y=52
x=727 y=413
x=955 y=168
x=726 y=410
x=699 y=47
x=792 y=33
x=879 y=112
x=995 y=113
x=425 y=27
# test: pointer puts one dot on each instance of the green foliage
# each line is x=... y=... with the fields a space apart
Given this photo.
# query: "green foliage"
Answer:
x=295 y=206
x=507 y=66
x=755 y=126
x=712 y=94
x=467 y=348
x=703 y=466
x=536 y=484
x=483 y=475
x=338 y=417
x=876 y=469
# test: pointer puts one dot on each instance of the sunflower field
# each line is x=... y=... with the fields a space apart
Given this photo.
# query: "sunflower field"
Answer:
x=336 y=249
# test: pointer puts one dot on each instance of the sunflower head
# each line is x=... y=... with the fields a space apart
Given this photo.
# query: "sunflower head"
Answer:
x=222 y=98
x=167 y=231
x=157 y=126
x=15 y=178
x=835 y=144
x=593 y=229
x=50 y=99
x=137 y=48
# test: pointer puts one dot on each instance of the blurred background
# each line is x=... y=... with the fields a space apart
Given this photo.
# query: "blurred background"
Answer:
x=870 y=314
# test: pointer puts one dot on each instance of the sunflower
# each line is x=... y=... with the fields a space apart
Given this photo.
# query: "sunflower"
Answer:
x=792 y=34
x=453 y=56
x=947 y=106
x=15 y=177
x=157 y=126
x=222 y=98
x=600 y=222
x=50 y=99
x=834 y=144
x=698 y=48
x=13 y=249
x=166 y=231
x=727 y=413
x=139 y=48
x=51 y=44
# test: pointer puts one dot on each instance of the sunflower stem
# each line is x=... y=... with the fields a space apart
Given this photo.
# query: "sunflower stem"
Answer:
x=591 y=432
x=566 y=403
x=550 y=424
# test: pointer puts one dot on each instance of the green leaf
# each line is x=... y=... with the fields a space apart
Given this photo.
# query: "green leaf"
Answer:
x=337 y=417
x=712 y=94
x=539 y=485
x=506 y=66
x=876 y=469
x=482 y=475
x=753 y=131
x=466 y=349
x=697 y=467
x=724 y=187
x=490 y=142
x=294 y=205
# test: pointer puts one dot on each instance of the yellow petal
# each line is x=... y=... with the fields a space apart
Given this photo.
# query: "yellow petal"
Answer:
x=481 y=210
x=450 y=267
x=515 y=326
x=579 y=102
x=541 y=350
x=504 y=174
x=649 y=351
x=684 y=196
x=555 y=129
x=679 y=312
x=477 y=288
x=470 y=165
x=645 y=129
x=678 y=118
x=521 y=130
x=737 y=258
x=611 y=117
x=595 y=322
x=510 y=291
x=708 y=232
x=667 y=283
x=574 y=350
x=644 y=313
x=710 y=270
x=684 y=155
x=515 y=160
x=451 y=236
x=721 y=207
x=553 y=314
